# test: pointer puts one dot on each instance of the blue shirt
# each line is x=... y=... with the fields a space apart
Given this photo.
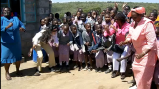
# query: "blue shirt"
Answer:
x=11 y=34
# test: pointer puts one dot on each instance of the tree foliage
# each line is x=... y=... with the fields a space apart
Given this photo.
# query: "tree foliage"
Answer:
x=72 y=7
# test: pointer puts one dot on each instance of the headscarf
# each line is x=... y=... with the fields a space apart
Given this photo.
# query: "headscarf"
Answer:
x=139 y=10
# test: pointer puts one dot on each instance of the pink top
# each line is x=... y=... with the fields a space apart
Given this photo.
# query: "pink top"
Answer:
x=120 y=34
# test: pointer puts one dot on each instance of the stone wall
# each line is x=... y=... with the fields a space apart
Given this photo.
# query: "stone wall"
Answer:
x=42 y=10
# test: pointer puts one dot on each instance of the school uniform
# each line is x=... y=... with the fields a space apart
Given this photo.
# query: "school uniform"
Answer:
x=87 y=37
x=54 y=40
x=99 y=56
x=63 y=47
x=91 y=21
x=78 y=47
x=80 y=26
x=46 y=47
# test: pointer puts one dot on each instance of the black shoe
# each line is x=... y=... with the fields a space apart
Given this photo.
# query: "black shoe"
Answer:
x=122 y=76
x=61 y=68
x=79 y=69
x=52 y=69
x=67 y=67
x=90 y=68
x=100 y=70
x=97 y=69
x=75 y=67
x=114 y=74
x=108 y=71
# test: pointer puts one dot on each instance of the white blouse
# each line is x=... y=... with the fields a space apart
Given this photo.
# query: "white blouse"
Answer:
x=35 y=39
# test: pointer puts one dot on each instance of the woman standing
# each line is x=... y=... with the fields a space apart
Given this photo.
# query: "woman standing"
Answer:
x=10 y=41
x=142 y=35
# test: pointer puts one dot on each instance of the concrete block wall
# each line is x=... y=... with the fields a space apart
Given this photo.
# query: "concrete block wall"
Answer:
x=42 y=10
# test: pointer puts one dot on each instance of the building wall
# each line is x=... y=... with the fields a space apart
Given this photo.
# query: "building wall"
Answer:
x=42 y=10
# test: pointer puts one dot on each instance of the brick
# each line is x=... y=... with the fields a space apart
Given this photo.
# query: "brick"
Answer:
x=30 y=27
x=26 y=36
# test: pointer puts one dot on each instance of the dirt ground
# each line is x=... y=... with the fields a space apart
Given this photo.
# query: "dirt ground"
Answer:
x=74 y=80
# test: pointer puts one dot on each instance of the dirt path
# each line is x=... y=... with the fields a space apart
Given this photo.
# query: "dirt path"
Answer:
x=73 y=80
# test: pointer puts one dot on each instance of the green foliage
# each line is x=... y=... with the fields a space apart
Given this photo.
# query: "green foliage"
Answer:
x=72 y=7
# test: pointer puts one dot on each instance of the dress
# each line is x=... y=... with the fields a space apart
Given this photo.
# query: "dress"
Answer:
x=10 y=40
x=143 y=37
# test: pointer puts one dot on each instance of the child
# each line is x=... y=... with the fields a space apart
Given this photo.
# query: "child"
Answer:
x=153 y=16
x=103 y=14
x=64 y=45
x=77 y=18
x=87 y=39
x=54 y=43
x=99 y=19
x=108 y=33
x=72 y=19
x=73 y=15
x=107 y=21
x=97 y=41
x=77 y=46
x=109 y=9
x=94 y=15
x=80 y=24
x=40 y=40
x=47 y=21
x=89 y=16
x=55 y=22
x=63 y=22
x=112 y=15
x=43 y=24
x=90 y=20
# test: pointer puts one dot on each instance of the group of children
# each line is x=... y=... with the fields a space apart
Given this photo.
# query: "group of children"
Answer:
x=85 y=36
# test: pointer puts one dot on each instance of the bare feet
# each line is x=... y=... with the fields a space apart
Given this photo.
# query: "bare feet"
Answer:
x=8 y=76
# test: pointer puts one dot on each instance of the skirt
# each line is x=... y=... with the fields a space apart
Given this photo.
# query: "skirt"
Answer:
x=63 y=53
x=99 y=56
x=11 y=52
x=77 y=56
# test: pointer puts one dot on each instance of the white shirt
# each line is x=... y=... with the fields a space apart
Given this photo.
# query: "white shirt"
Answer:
x=42 y=27
x=56 y=39
x=35 y=39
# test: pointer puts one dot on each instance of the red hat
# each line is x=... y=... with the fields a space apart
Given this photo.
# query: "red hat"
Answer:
x=139 y=10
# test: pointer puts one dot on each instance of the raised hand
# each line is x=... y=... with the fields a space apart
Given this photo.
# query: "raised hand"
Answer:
x=116 y=4
x=124 y=5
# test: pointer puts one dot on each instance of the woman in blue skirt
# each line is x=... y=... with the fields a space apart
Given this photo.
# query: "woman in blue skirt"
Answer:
x=10 y=41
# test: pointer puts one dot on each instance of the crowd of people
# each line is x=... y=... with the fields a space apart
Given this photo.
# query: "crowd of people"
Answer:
x=111 y=38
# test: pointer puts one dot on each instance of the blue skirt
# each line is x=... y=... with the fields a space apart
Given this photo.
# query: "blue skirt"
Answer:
x=11 y=52
x=45 y=57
